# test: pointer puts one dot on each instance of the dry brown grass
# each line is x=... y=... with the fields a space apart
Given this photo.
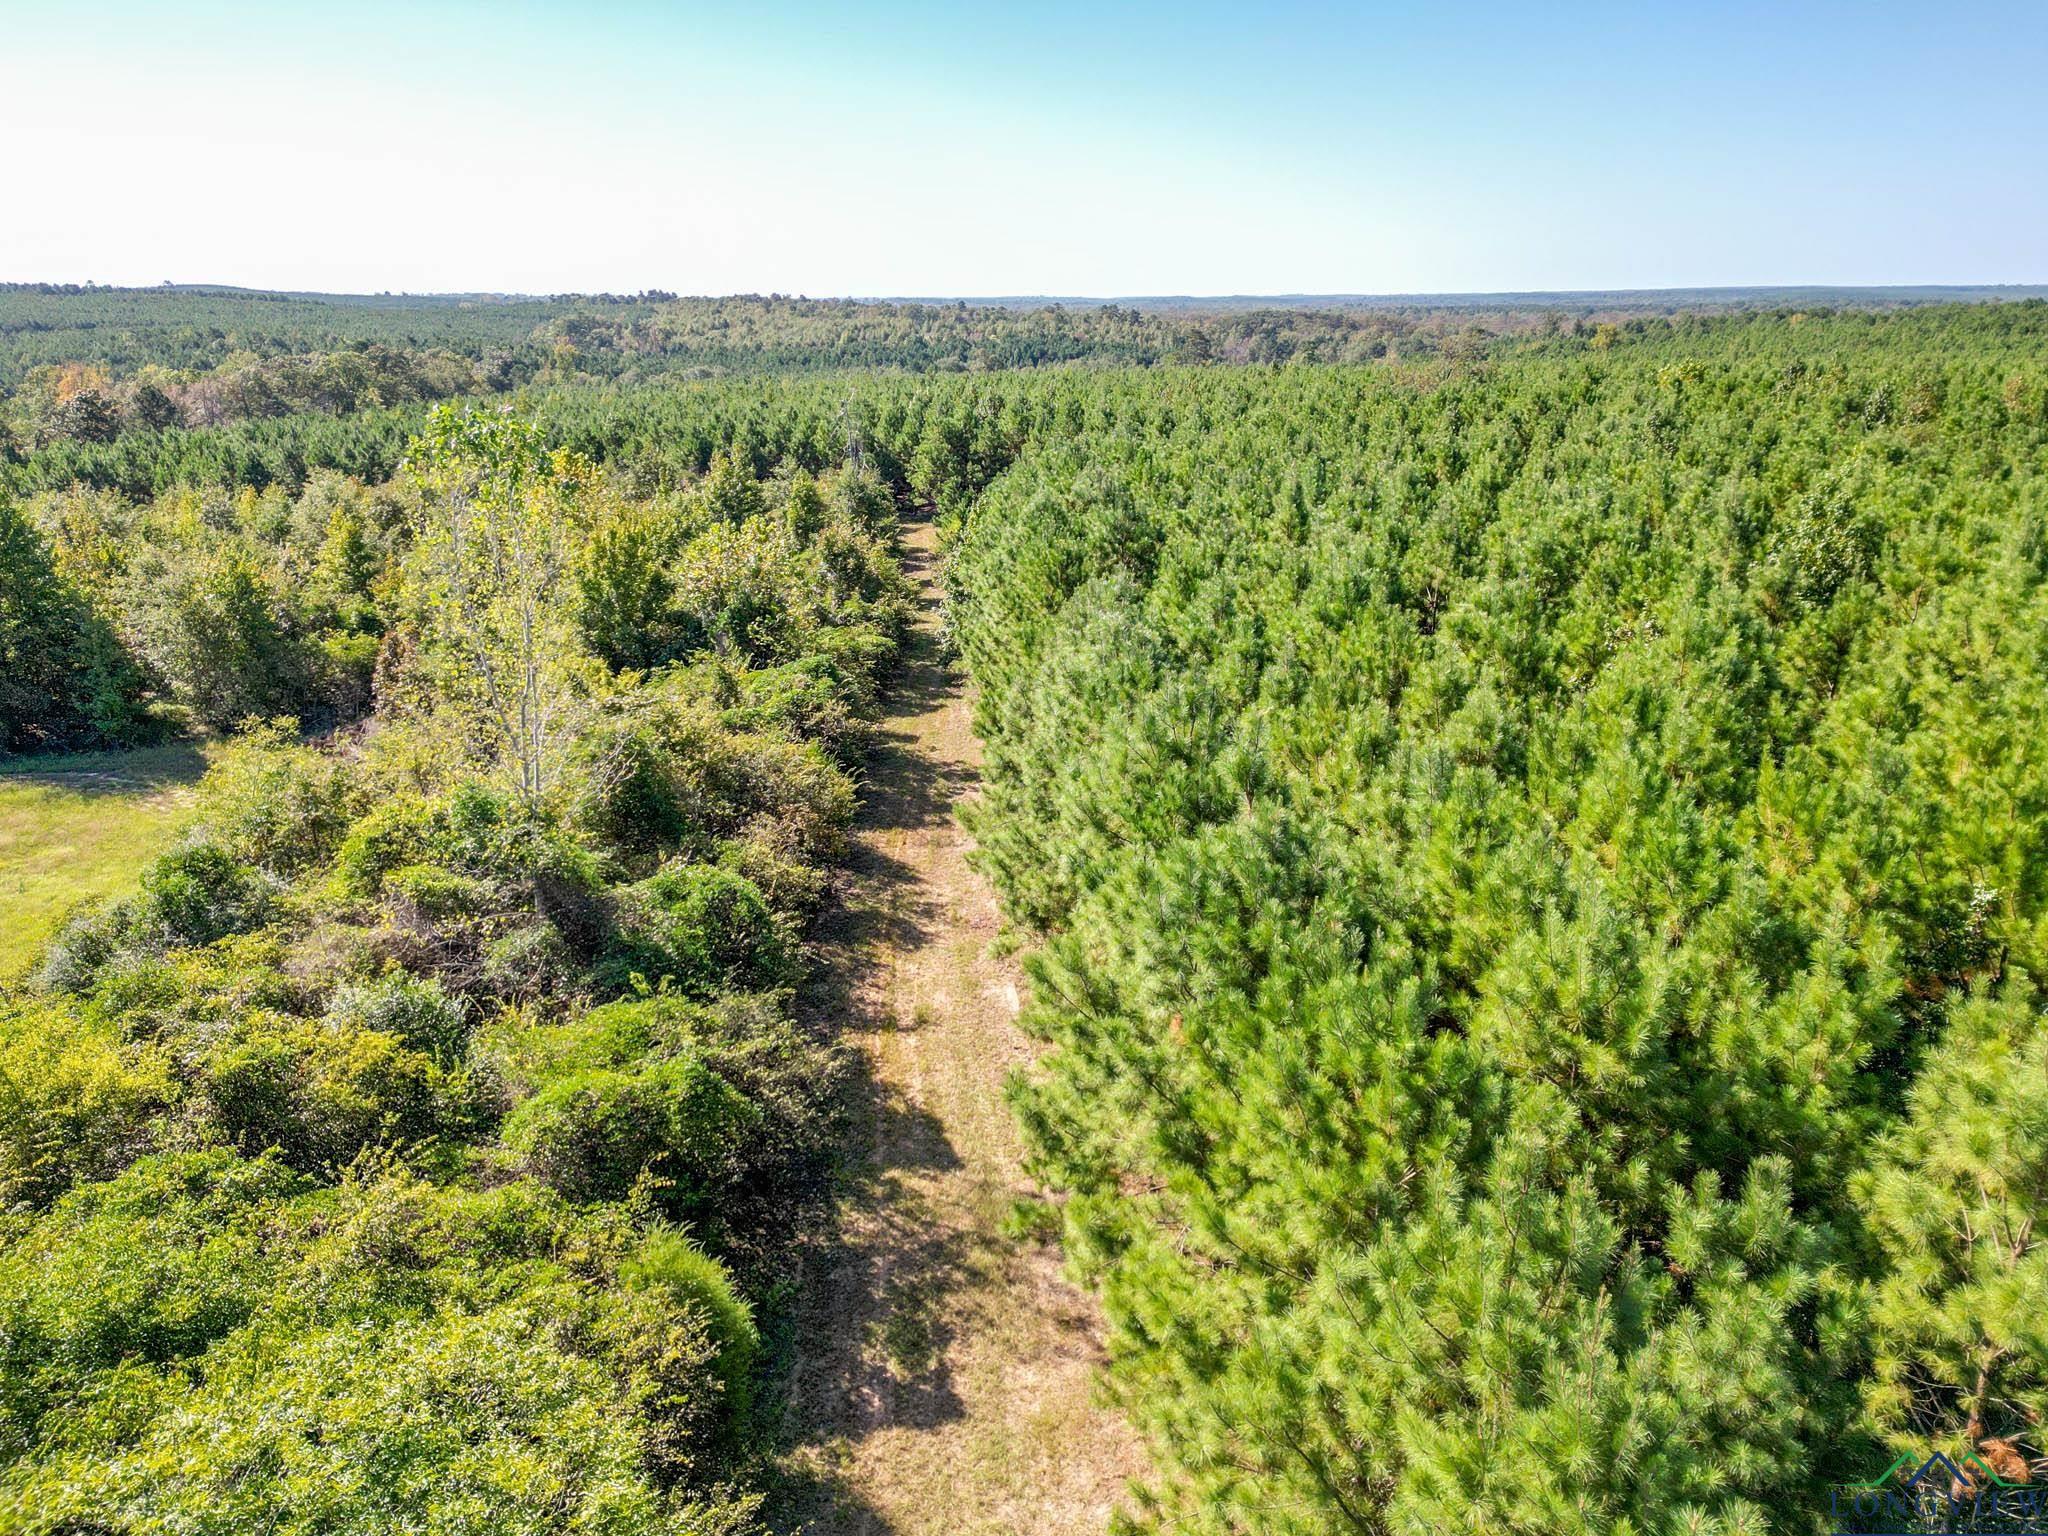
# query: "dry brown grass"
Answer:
x=944 y=1379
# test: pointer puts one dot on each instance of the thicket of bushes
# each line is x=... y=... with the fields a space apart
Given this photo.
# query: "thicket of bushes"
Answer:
x=415 y=1146
x=1543 y=883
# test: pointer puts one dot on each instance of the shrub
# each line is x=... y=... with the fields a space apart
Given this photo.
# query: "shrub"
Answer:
x=742 y=586
x=538 y=1048
x=191 y=998
x=593 y=1133
x=200 y=893
x=802 y=699
x=528 y=962
x=670 y=1261
x=415 y=1011
x=320 y=1093
x=471 y=830
x=344 y=671
x=396 y=833
x=273 y=803
x=152 y=1265
x=790 y=1083
x=446 y=1422
x=84 y=947
x=477 y=835
x=768 y=856
x=708 y=928
x=658 y=781
x=638 y=804
x=797 y=788
x=76 y=1102
x=428 y=893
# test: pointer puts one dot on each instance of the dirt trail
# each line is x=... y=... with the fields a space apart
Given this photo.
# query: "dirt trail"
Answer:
x=943 y=1379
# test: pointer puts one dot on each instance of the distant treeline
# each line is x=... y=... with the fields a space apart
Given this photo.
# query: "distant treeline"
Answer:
x=109 y=386
x=87 y=364
x=280 y=420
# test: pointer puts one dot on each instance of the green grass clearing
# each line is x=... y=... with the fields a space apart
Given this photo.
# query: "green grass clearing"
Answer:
x=79 y=828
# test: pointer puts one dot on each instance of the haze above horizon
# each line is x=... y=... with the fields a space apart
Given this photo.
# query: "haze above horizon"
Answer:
x=1132 y=150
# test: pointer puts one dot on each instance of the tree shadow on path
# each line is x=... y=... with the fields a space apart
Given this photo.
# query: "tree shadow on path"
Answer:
x=877 y=1315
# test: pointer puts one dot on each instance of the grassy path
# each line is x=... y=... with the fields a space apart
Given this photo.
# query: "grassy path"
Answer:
x=944 y=1373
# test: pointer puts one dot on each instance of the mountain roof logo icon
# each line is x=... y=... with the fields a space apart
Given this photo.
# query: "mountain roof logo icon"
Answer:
x=1939 y=1471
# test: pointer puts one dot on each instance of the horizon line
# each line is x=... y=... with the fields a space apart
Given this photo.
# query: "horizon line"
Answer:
x=1277 y=298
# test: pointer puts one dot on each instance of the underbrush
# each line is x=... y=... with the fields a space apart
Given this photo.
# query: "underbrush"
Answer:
x=422 y=1132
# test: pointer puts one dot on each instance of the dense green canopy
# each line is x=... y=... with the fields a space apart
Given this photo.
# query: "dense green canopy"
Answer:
x=1543 y=879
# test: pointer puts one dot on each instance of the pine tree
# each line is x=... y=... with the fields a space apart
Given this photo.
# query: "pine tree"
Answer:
x=731 y=492
x=1955 y=1200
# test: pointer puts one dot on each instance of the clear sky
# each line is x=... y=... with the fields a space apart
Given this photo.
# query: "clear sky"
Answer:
x=901 y=147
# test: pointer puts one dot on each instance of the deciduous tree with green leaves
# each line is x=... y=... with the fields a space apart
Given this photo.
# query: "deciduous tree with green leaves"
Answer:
x=495 y=556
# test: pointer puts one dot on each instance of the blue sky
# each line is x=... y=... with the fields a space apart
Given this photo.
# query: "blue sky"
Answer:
x=911 y=148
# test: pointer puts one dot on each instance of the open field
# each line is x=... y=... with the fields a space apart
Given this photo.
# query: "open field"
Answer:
x=77 y=829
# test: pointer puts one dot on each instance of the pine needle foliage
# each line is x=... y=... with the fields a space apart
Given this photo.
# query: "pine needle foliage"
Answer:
x=1540 y=871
